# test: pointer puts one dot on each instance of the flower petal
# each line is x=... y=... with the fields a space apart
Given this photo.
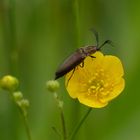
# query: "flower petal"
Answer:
x=118 y=88
x=75 y=82
x=113 y=66
x=91 y=101
x=92 y=63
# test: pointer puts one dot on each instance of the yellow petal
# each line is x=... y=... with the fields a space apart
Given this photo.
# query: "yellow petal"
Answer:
x=91 y=64
x=76 y=80
x=91 y=101
x=81 y=75
x=113 y=66
x=118 y=88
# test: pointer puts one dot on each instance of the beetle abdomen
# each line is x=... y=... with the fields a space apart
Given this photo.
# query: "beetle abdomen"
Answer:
x=70 y=63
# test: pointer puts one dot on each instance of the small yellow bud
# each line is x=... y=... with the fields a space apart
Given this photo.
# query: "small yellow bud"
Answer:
x=52 y=85
x=18 y=96
x=9 y=82
x=24 y=103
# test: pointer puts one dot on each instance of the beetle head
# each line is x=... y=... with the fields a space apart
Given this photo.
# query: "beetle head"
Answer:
x=88 y=50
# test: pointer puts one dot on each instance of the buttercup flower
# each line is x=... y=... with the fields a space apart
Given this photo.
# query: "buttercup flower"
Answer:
x=98 y=82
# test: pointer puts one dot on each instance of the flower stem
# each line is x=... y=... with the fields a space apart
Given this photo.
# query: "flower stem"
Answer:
x=25 y=120
x=77 y=21
x=60 y=106
x=63 y=125
x=9 y=33
x=72 y=136
x=23 y=115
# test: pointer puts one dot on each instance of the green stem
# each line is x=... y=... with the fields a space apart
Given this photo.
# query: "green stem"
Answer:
x=9 y=31
x=24 y=116
x=63 y=125
x=25 y=121
x=77 y=21
x=27 y=127
x=60 y=106
x=72 y=136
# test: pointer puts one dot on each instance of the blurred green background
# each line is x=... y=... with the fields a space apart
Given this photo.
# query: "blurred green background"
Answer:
x=37 y=35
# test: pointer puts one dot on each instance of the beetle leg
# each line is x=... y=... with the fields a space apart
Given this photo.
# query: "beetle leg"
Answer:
x=92 y=56
x=82 y=64
x=70 y=77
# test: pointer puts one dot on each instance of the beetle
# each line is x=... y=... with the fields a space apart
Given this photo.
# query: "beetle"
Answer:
x=77 y=58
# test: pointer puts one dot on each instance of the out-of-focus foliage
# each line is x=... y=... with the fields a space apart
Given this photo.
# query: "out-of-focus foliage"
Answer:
x=37 y=35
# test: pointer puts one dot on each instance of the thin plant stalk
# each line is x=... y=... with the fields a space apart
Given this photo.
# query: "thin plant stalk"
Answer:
x=60 y=106
x=77 y=21
x=11 y=46
x=24 y=116
x=25 y=120
x=9 y=32
x=63 y=125
x=73 y=134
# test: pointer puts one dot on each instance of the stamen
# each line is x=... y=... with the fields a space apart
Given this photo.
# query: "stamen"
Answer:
x=96 y=74
x=106 y=85
x=93 y=87
x=99 y=84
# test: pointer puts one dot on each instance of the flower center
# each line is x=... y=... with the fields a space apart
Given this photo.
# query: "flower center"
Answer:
x=99 y=85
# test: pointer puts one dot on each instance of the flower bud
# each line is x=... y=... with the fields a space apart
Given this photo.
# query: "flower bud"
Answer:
x=18 y=96
x=24 y=103
x=9 y=82
x=52 y=85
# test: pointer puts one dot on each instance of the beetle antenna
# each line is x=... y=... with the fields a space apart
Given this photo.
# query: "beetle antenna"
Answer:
x=106 y=42
x=96 y=36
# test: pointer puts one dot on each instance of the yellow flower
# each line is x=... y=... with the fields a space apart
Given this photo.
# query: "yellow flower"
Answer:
x=98 y=82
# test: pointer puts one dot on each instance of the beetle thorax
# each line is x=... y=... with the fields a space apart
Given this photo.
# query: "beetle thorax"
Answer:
x=88 y=50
